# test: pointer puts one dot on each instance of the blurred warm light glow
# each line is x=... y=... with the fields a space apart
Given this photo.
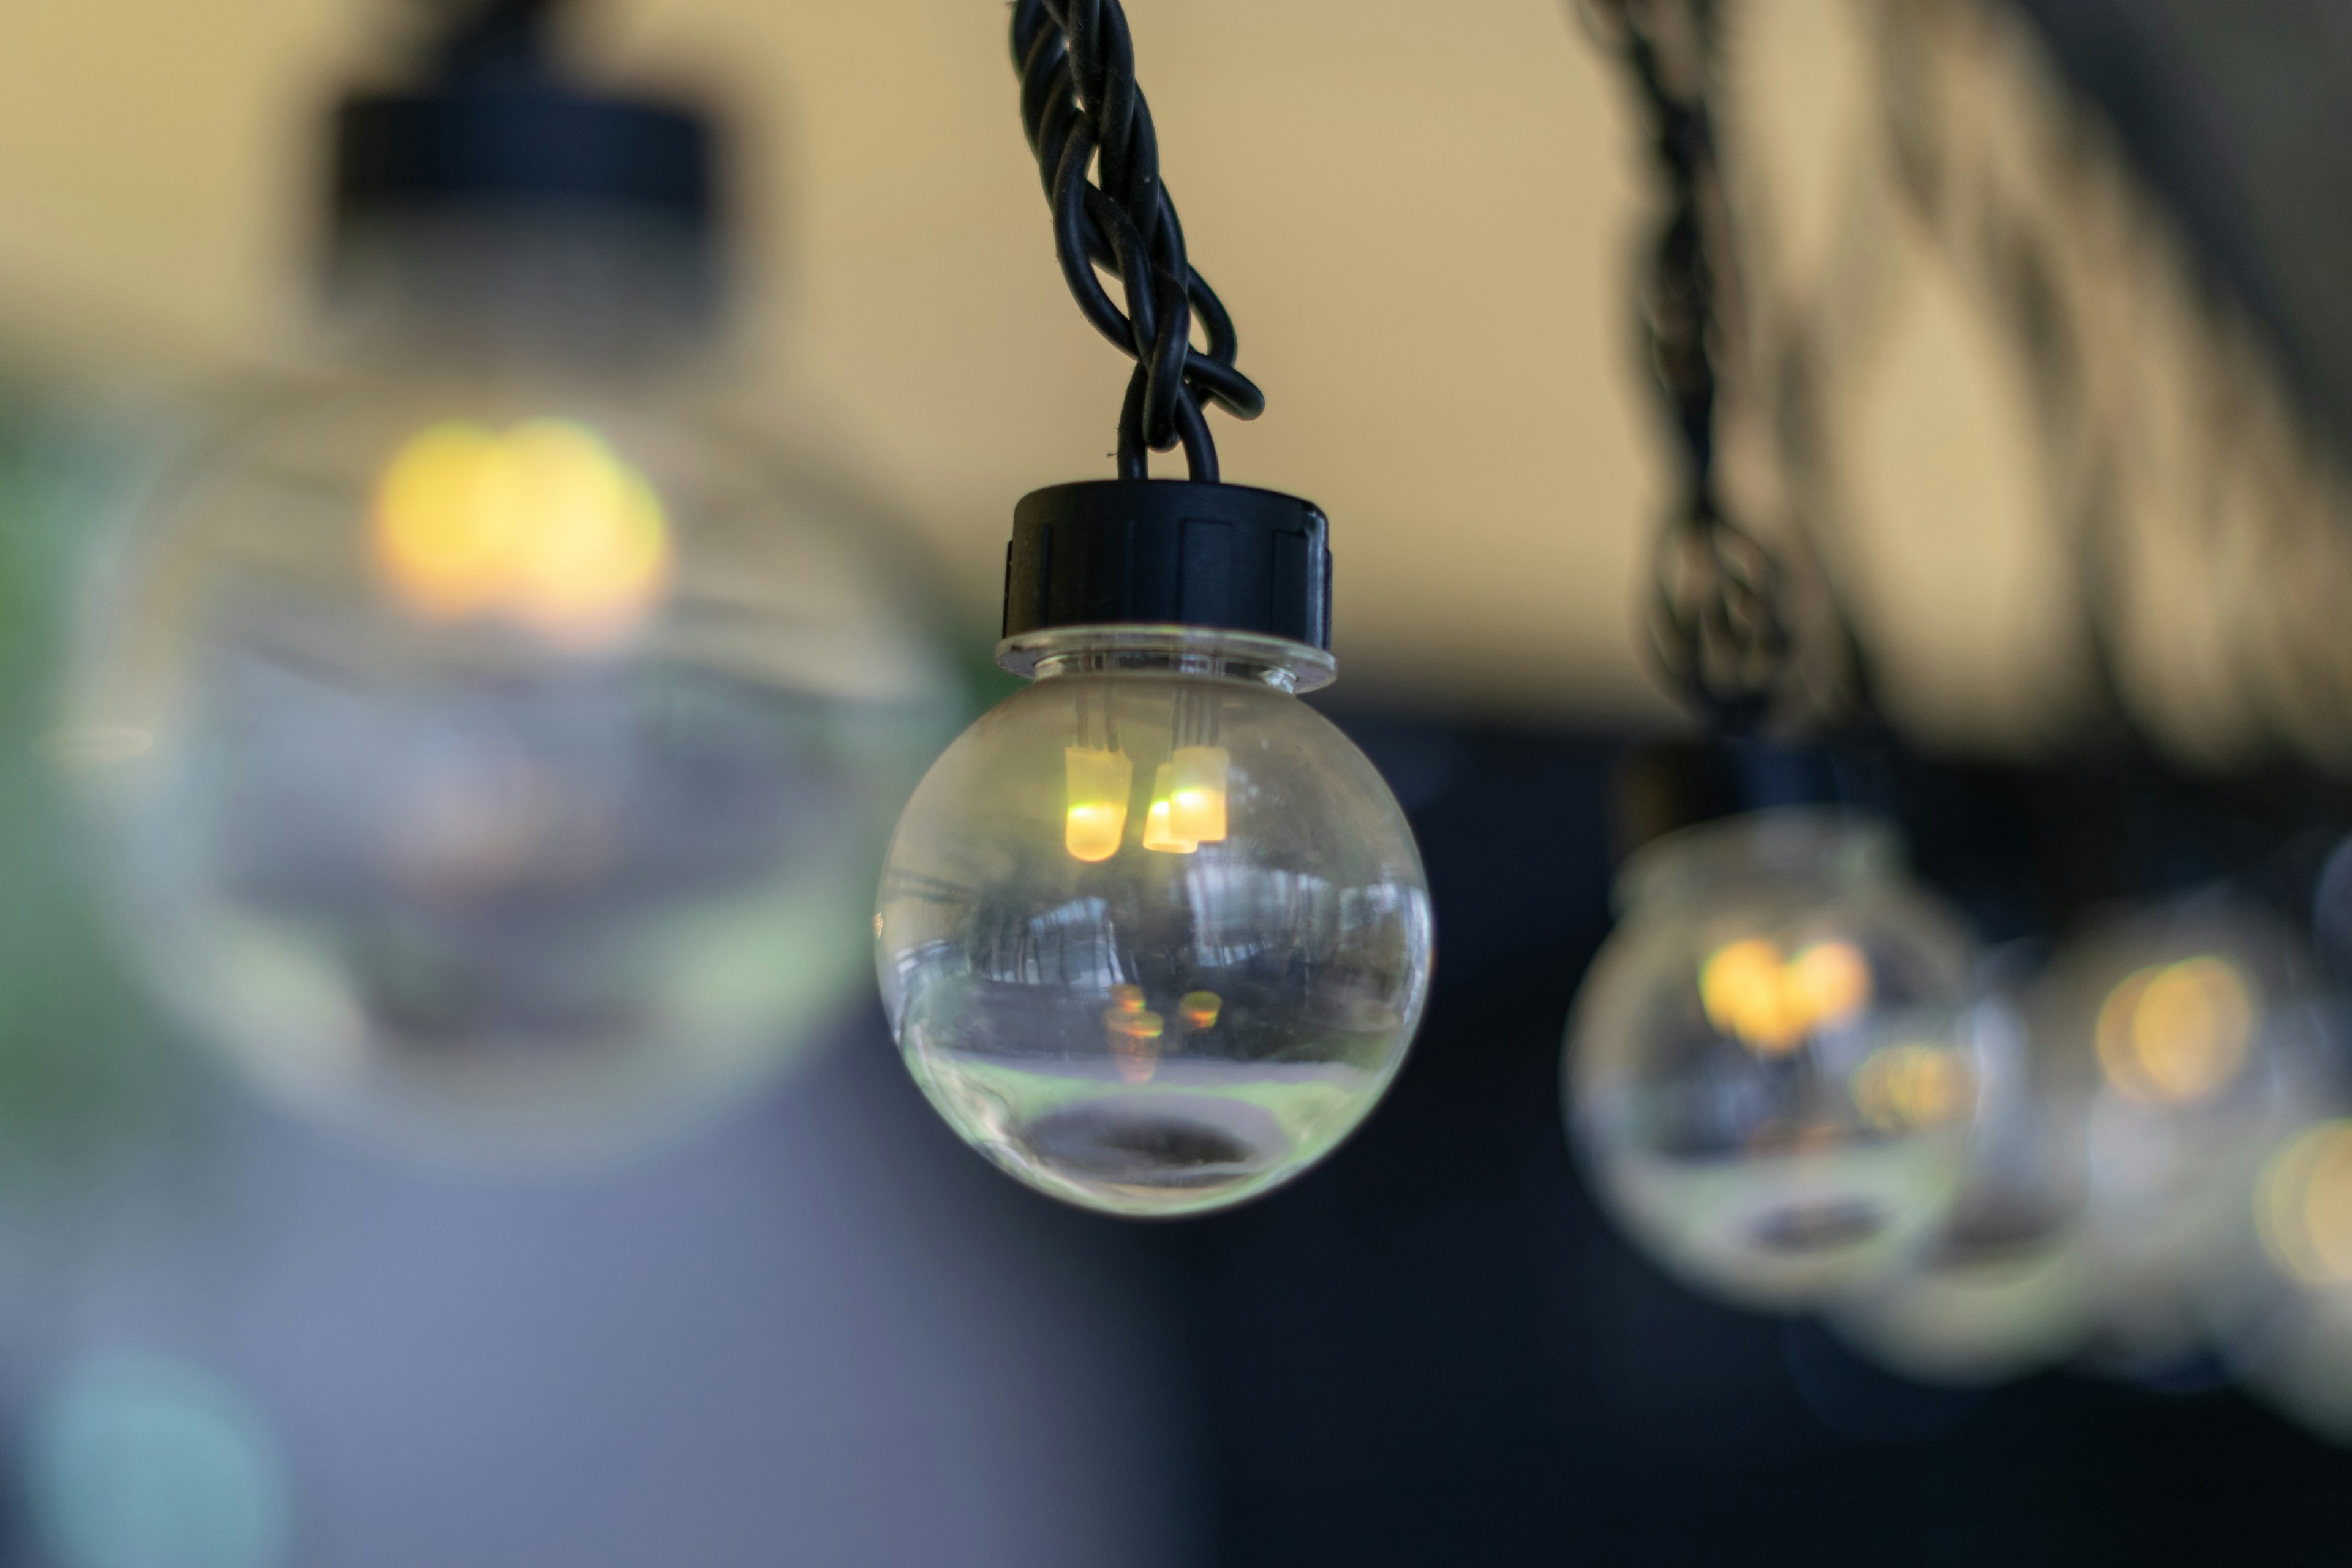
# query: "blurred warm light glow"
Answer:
x=1771 y=1004
x=2177 y=1033
x=1097 y=783
x=1199 y=1009
x=2305 y=1206
x=1901 y=1088
x=1134 y=1032
x=543 y=525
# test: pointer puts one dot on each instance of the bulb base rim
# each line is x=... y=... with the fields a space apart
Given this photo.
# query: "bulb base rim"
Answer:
x=1204 y=652
x=1169 y=553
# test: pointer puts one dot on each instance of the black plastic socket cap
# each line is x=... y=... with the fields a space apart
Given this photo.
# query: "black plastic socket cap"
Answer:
x=540 y=143
x=493 y=117
x=1169 y=553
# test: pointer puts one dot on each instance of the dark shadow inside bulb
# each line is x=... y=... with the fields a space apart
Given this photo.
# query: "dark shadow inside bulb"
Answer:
x=1817 y=1227
x=1157 y=1141
x=1994 y=1235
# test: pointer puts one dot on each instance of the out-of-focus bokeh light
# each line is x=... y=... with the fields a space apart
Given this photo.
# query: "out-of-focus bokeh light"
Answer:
x=2178 y=1033
x=543 y=524
x=1901 y=1087
x=1771 y=1004
x=144 y=1461
x=2305 y=1206
x=2198 y=1030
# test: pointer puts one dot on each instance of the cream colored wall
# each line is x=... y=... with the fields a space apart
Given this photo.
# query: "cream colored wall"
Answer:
x=1423 y=216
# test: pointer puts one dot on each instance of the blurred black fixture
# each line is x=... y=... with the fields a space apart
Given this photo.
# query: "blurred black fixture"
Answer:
x=493 y=122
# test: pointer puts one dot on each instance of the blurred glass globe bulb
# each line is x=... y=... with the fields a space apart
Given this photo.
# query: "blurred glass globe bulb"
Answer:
x=2195 y=1028
x=1767 y=1076
x=493 y=755
x=1153 y=935
x=2003 y=1287
x=2280 y=1307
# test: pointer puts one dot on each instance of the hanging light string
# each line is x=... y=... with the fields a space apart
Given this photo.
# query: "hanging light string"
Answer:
x=1719 y=621
x=1084 y=112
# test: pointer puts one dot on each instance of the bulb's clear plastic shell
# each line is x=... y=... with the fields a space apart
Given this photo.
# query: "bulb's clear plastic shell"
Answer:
x=1768 y=1078
x=1153 y=935
x=495 y=766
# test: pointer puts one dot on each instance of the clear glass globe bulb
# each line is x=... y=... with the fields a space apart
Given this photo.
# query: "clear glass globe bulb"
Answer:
x=1153 y=935
x=497 y=761
x=1768 y=1081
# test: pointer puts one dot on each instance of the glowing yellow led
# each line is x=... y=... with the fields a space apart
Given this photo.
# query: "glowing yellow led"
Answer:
x=2177 y=1033
x=1197 y=777
x=1098 y=782
x=544 y=525
x=1158 y=822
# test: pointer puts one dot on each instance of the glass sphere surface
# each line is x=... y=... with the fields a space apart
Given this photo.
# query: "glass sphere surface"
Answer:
x=1153 y=934
x=497 y=766
x=1769 y=1080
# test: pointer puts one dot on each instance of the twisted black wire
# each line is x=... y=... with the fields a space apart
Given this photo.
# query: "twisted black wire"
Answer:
x=1081 y=109
x=1718 y=625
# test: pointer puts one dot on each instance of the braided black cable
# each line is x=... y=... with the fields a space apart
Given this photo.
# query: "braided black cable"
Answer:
x=1720 y=624
x=1083 y=110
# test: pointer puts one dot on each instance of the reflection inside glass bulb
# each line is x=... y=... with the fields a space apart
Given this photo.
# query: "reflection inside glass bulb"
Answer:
x=1135 y=1032
x=2177 y=1033
x=1899 y=1088
x=543 y=525
x=1199 y=1009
